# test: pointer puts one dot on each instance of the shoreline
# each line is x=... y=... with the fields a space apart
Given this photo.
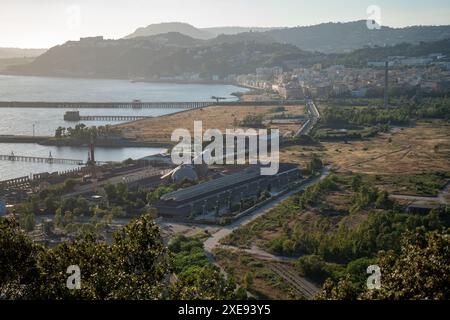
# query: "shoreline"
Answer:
x=51 y=141
x=85 y=77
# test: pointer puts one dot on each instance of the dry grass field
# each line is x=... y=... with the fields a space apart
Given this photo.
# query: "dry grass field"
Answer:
x=410 y=150
x=160 y=129
x=400 y=159
x=423 y=148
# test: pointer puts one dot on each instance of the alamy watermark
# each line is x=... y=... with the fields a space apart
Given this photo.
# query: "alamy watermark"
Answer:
x=74 y=280
x=374 y=280
x=373 y=17
x=73 y=17
x=231 y=148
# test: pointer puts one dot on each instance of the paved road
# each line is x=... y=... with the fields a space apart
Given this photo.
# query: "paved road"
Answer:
x=314 y=116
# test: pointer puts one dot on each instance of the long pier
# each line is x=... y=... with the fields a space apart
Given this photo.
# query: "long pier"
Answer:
x=50 y=160
x=75 y=116
x=144 y=105
x=111 y=118
x=106 y=105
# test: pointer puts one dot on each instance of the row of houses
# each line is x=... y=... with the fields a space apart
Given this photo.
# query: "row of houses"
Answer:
x=338 y=80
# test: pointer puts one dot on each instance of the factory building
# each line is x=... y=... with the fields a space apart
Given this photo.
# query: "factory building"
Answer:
x=217 y=196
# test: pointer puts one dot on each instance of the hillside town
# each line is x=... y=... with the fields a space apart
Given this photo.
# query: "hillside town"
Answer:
x=429 y=75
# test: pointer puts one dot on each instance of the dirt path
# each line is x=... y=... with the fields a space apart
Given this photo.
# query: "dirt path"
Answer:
x=408 y=148
x=442 y=198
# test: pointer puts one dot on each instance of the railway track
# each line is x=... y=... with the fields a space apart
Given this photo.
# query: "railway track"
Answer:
x=291 y=276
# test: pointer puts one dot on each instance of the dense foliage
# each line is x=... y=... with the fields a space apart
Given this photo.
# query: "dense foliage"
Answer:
x=133 y=266
x=381 y=230
x=136 y=265
x=83 y=133
x=81 y=215
x=340 y=243
x=197 y=277
x=420 y=271
x=369 y=113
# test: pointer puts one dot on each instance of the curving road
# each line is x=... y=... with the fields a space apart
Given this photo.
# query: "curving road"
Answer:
x=314 y=116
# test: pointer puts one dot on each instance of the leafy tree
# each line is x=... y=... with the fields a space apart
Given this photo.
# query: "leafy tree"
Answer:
x=111 y=192
x=288 y=247
x=142 y=258
x=58 y=220
x=134 y=266
x=383 y=201
x=94 y=260
x=50 y=205
x=315 y=164
x=18 y=257
x=345 y=290
x=357 y=271
x=421 y=271
x=28 y=221
x=82 y=205
x=154 y=196
x=60 y=132
x=316 y=268
x=207 y=283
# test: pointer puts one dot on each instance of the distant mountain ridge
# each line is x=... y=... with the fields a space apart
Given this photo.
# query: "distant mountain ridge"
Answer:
x=162 y=28
x=349 y=36
x=11 y=53
x=175 y=55
x=160 y=56
x=326 y=37
x=191 y=31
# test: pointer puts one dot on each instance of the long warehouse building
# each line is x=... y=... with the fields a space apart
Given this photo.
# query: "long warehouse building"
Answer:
x=218 y=195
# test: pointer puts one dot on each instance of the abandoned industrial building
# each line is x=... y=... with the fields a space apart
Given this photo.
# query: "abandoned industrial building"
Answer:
x=216 y=197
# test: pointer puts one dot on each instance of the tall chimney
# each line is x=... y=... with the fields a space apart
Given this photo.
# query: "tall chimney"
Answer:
x=386 y=85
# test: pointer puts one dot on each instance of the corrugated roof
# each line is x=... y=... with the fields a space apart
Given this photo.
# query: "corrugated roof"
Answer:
x=213 y=185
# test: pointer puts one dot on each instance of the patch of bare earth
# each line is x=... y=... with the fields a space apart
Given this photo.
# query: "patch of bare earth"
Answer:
x=408 y=150
x=159 y=129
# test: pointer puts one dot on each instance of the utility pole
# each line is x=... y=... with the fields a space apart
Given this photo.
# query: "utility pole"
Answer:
x=33 y=128
x=91 y=163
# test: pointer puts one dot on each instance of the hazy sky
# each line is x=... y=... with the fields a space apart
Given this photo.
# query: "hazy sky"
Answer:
x=45 y=23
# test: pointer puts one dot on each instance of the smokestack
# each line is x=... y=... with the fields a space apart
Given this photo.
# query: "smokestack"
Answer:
x=386 y=85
